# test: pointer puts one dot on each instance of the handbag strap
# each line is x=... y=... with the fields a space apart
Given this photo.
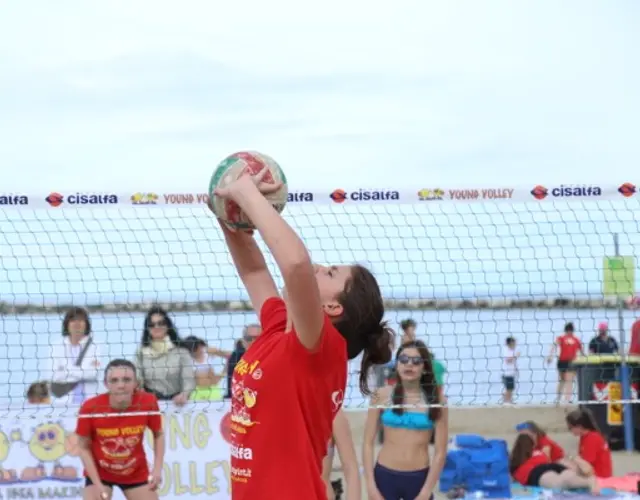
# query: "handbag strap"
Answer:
x=83 y=352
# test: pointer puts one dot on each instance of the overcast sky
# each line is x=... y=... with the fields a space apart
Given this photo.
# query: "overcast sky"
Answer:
x=152 y=94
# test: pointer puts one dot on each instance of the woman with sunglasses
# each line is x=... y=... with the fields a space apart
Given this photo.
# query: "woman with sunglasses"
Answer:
x=403 y=468
x=163 y=364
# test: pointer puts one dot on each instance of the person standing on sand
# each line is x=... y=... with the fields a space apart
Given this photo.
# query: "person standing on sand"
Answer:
x=403 y=467
x=568 y=347
x=509 y=369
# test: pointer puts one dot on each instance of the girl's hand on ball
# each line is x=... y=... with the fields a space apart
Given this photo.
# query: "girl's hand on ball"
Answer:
x=248 y=181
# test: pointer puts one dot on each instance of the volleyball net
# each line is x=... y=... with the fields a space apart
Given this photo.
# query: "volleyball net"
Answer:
x=471 y=267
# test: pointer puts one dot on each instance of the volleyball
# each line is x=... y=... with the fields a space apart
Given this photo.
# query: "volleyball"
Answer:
x=230 y=169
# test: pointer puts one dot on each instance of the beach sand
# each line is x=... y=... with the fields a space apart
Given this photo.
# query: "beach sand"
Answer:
x=499 y=424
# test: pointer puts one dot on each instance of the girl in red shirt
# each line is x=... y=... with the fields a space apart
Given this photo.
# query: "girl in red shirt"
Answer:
x=531 y=467
x=290 y=383
x=594 y=453
x=543 y=442
x=568 y=347
x=111 y=447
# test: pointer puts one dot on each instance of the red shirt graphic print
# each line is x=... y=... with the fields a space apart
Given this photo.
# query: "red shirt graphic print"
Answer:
x=117 y=442
x=284 y=399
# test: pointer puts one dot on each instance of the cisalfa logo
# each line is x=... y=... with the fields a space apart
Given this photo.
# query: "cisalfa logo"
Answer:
x=339 y=196
x=54 y=199
x=539 y=192
x=627 y=190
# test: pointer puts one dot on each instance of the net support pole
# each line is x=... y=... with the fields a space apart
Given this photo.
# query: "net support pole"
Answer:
x=625 y=379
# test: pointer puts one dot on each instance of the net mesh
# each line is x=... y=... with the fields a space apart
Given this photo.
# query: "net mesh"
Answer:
x=470 y=275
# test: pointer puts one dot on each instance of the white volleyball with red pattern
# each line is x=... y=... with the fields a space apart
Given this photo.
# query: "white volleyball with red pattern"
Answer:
x=230 y=169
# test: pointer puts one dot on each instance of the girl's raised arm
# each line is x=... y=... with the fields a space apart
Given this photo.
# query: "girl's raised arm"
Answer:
x=251 y=267
x=289 y=252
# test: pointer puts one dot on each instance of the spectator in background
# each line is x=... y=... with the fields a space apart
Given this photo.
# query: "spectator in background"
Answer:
x=509 y=369
x=75 y=359
x=249 y=334
x=594 y=455
x=408 y=327
x=603 y=343
x=568 y=346
x=163 y=364
x=207 y=380
x=403 y=468
x=634 y=344
x=38 y=394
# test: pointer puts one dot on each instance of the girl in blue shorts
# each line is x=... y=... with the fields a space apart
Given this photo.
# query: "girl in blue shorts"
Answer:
x=403 y=469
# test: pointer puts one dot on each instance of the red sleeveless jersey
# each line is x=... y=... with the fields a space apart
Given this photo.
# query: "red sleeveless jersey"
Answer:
x=284 y=399
x=568 y=345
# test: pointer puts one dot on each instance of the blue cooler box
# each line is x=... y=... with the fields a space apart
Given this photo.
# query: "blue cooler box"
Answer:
x=477 y=465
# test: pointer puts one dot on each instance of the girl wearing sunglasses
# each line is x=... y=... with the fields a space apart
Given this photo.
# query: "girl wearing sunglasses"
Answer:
x=403 y=468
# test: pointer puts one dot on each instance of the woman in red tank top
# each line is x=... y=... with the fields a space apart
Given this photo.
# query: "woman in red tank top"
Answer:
x=568 y=347
x=594 y=454
x=531 y=467
x=290 y=383
x=543 y=442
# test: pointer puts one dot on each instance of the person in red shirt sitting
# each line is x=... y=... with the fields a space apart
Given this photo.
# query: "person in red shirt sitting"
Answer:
x=291 y=381
x=594 y=453
x=111 y=447
x=531 y=467
x=543 y=442
x=568 y=346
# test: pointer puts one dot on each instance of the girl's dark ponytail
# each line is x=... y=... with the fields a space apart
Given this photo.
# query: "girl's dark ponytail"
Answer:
x=376 y=352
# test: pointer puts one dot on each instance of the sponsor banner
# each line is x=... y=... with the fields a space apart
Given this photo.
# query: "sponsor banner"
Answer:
x=55 y=199
x=614 y=409
x=484 y=194
x=364 y=195
x=13 y=200
x=539 y=193
x=611 y=393
x=602 y=391
x=203 y=198
x=40 y=455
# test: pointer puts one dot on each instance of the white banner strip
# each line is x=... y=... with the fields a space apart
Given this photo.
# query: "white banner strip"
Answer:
x=455 y=194
x=40 y=455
